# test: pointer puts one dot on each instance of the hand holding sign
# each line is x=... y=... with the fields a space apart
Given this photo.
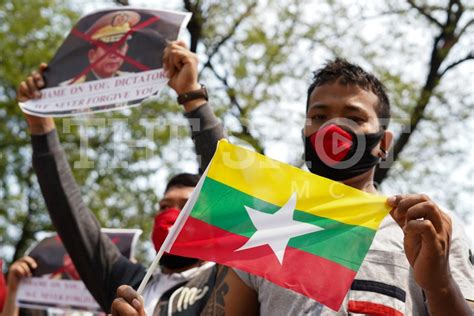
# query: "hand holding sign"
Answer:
x=55 y=282
x=181 y=65
x=29 y=89
x=22 y=268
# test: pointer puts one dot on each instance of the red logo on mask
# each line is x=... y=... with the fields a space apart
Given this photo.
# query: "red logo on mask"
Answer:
x=331 y=143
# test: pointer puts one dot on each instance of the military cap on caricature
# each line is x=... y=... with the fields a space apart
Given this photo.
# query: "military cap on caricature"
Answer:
x=113 y=26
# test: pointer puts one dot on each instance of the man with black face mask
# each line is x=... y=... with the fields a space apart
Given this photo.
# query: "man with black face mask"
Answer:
x=182 y=285
x=345 y=132
x=419 y=262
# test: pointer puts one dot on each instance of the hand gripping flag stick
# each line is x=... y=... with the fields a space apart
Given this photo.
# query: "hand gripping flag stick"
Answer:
x=174 y=231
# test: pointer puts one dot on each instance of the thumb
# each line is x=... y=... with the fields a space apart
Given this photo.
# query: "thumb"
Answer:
x=394 y=200
x=396 y=215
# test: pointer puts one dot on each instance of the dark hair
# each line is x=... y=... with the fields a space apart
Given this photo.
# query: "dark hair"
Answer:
x=347 y=73
x=183 y=180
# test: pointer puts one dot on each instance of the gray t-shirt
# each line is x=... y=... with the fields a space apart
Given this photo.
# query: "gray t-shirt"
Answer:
x=383 y=284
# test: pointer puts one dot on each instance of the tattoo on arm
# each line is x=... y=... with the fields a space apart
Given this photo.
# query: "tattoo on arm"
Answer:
x=216 y=303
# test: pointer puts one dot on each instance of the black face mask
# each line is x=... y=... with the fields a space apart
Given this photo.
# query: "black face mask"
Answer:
x=177 y=262
x=337 y=153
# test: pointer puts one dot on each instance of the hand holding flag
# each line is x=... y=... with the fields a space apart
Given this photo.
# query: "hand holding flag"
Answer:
x=427 y=232
x=278 y=222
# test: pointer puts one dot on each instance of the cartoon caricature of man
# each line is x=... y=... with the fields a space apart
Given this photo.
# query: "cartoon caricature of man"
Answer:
x=108 y=30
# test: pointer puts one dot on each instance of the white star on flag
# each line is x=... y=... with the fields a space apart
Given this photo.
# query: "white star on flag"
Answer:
x=277 y=229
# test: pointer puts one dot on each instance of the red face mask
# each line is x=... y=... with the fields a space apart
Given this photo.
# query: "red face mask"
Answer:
x=163 y=222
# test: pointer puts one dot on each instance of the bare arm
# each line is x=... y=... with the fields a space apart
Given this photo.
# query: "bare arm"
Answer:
x=231 y=296
x=448 y=300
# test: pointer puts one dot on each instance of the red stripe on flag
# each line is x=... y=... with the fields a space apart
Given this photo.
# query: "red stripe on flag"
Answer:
x=323 y=280
x=372 y=309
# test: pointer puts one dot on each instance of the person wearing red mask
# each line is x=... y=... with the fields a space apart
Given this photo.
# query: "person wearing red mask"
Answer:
x=419 y=262
x=183 y=284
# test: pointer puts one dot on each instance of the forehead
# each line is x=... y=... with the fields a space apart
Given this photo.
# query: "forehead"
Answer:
x=337 y=95
x=175 y=193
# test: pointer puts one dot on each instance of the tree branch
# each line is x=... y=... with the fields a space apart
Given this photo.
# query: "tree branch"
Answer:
x=423 y=12
x=460 y=61
x=196 y=23
x=464 y=28
x=229 y=34
x=455 y=10
x=232 y=97
x=245 y=135
x=122 y=2
x=442 y=45
x=270 y=61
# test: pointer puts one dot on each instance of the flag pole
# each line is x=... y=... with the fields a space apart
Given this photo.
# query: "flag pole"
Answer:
x=174 y=231
x=152 y=268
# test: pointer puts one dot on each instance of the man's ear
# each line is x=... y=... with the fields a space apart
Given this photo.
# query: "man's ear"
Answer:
x=385 y=143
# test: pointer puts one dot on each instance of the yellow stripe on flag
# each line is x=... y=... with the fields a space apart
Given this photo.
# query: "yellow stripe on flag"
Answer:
x=274 y=182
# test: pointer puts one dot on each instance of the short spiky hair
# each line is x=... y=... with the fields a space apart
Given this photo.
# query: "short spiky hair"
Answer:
x=182 y=180
x=350 y=74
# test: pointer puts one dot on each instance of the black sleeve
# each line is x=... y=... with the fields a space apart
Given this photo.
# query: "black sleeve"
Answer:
x=206 y=131
x=98 y=261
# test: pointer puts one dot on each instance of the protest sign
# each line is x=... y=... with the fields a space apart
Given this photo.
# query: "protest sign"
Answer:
x=55 y=283
x=111 y=59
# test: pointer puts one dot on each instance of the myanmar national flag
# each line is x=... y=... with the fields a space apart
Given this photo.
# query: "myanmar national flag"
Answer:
x=293 y=228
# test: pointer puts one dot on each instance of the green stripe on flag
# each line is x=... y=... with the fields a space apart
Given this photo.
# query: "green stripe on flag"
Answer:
x=223 y=206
